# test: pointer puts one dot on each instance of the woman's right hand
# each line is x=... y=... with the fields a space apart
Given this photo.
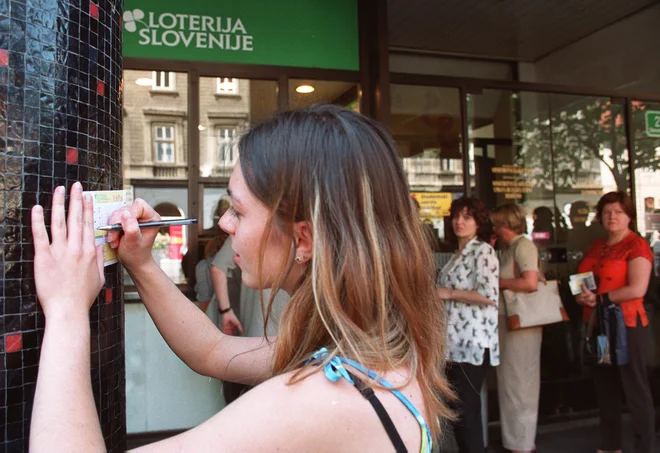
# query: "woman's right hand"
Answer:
x=134 y=245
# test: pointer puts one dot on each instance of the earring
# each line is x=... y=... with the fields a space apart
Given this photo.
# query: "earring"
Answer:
x=298 y=259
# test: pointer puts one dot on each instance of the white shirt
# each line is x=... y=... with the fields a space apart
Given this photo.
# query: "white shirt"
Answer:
x=472 y=328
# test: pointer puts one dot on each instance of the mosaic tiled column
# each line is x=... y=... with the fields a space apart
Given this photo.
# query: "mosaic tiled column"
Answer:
x=60 y=122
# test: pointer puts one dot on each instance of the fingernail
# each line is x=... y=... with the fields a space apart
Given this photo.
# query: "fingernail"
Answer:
x=126 y=216
x=59 y=190
x=37 y=208
x=77 y=185
x=88 y=198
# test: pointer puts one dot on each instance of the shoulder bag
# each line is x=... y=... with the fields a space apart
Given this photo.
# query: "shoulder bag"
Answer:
x=535 y=309
x=609 y=344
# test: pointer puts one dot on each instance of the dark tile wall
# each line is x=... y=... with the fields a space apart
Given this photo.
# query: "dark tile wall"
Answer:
x=60 y=122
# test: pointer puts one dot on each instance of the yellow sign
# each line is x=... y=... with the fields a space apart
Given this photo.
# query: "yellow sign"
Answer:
x=433 y=204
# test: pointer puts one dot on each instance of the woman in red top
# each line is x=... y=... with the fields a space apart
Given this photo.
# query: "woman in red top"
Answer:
x=622 y=264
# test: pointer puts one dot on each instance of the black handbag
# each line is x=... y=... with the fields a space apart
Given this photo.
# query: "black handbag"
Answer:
x=609 y=344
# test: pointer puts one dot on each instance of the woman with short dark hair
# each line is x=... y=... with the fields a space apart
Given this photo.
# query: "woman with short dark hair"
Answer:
x=622 y=264
x=469 y=290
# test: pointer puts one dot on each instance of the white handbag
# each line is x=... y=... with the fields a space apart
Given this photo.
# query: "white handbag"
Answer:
x=538 y=308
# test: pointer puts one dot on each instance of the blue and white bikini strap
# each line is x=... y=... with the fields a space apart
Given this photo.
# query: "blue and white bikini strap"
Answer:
x=335 y=370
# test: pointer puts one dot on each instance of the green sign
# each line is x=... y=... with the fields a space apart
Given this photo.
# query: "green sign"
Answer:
x=652 y=123
x=304 y=33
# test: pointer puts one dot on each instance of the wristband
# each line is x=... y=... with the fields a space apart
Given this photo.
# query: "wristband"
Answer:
x=605 y=300
x=226 y=310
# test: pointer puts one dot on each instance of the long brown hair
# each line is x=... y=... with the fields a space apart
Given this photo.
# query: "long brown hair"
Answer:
x=368 y=293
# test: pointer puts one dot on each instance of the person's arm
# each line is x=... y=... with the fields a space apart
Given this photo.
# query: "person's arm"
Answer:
x=486 y=277
x=639 y=274
x=527 y=283
x=203 y=288
x=468 y=297
x=229 y=320
x=68 y=277
x=190 y=333
x=526 y=262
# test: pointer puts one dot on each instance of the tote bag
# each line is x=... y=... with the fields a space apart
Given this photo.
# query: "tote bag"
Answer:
x=538 y=308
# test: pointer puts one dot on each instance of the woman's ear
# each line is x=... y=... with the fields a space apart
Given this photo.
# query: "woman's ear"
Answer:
x=304 y=240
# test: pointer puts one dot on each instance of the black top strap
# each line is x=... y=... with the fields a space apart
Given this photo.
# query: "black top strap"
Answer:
x=384 y=417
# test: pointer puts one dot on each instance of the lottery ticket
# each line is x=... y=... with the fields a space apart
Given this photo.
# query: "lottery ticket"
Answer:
x=105 y=203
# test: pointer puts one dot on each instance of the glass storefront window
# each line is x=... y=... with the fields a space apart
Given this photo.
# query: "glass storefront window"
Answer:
x=646 y=135
x=555 y=155
x=155 y=158
x=227 y=107
x=426 y=126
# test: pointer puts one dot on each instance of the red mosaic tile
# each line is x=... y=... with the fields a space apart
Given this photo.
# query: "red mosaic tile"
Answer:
x=13 y=342
x=108 y=295
x=4 y=58
x=100 y=88
x=93 y=10
x=71 y=156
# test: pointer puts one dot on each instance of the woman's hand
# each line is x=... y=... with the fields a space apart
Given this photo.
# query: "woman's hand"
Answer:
x=68 y=272
x=586 y=297
x=230 y=323
x=134 y=245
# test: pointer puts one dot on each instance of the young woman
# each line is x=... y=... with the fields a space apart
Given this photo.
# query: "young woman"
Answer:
x=469 y=288
x=320 y=209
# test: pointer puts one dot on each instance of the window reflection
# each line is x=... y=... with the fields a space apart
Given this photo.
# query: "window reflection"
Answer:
x=155 y=160
x=427 y=129
x=228 y=106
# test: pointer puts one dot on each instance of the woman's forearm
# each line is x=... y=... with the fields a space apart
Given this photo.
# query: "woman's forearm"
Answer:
x=626 y=293
x=219 y=282
x=64 y=417
x=470 y=297
x=186 y=329
x=519 y=285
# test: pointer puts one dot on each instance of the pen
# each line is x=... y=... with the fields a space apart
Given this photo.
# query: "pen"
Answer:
x=158 y=224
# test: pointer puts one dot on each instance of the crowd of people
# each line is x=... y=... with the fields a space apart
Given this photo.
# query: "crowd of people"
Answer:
x=329 y=304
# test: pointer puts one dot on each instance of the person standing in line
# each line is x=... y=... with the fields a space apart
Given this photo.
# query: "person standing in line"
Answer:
x=622 y=264
x=468 y=286
x=519 y=373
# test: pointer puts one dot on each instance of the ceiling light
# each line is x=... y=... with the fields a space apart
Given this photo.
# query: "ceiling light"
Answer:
x=201 y=128
x=144 y=82
x=304 y=89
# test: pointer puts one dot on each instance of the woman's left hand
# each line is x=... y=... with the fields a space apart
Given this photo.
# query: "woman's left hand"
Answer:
x=68 y=272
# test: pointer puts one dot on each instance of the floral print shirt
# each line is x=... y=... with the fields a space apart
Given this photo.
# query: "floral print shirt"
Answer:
x=471 y=329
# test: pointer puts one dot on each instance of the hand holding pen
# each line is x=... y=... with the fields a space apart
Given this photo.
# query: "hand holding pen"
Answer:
x=132 y=242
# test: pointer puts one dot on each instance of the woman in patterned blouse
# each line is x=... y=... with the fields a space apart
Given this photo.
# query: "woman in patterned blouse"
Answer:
x=469 y=286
